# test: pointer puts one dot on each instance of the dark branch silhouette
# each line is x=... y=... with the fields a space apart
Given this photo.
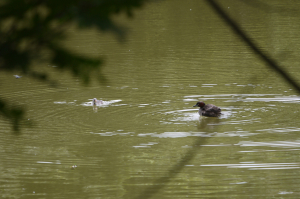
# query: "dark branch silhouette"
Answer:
x=272 y=63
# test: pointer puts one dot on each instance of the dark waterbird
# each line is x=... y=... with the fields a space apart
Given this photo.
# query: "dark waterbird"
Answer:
x=208 y=110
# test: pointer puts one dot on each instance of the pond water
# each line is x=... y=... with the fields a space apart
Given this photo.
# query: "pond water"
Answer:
x=147 y=140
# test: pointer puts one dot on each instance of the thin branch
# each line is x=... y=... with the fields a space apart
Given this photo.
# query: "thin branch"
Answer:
x=271 y=63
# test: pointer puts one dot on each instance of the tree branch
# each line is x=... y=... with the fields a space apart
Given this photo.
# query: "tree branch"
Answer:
x=271 y=63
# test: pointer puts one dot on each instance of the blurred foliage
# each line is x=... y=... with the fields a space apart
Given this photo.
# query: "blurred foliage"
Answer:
x=13 y=114
x=29 y=29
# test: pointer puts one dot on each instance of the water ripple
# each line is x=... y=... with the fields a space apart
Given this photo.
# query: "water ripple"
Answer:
x=255 y=166
x=284 y=144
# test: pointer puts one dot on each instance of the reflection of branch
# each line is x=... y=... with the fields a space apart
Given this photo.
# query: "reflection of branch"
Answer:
x=250 y=43
x=162 y=181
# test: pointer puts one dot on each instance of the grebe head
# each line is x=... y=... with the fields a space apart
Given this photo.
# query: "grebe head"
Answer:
x=199 y=104
x=94 y=101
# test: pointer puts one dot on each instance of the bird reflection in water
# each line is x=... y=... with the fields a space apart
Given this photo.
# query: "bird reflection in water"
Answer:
x=209 y=124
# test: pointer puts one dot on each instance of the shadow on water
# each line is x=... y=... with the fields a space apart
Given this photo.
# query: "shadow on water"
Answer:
x=207 y=125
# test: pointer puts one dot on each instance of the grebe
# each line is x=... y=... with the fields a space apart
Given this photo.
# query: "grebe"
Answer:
x=97 y=102
x=208 y=110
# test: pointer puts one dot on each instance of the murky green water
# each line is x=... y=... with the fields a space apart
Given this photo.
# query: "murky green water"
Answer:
x=147 y=141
